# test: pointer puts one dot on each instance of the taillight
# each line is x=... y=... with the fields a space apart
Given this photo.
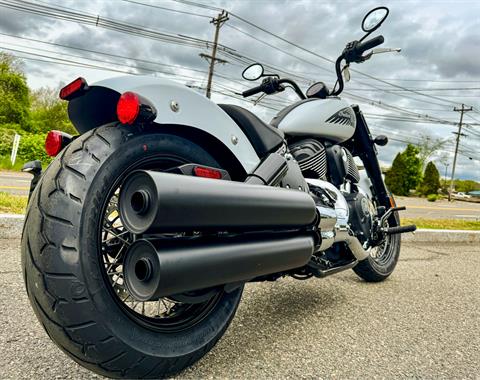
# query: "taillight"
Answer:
x=207 y=172
x=128 y=107
x=56 y=141
x=132 y=108
x=71 y=90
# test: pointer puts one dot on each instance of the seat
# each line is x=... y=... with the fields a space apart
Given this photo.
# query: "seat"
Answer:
x=263 y=137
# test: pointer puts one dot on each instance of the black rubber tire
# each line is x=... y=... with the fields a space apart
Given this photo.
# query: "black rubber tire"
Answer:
x=64 y=278
x=371 y=270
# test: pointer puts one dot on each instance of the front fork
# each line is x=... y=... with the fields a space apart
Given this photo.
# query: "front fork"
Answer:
x=363 y=145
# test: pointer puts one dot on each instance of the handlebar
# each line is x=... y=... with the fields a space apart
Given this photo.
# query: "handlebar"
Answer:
x=353 y=52
x=370 y=44
x=252 y=91
x=271 y=85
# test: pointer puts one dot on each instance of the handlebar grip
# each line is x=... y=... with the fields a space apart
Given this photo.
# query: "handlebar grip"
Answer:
x=361 y=47
x=252 y=91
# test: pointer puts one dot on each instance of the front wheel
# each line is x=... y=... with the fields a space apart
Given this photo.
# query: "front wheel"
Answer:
x=72 y=251
x=383 y=259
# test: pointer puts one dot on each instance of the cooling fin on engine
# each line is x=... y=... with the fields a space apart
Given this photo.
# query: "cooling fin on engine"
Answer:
x=311 y=157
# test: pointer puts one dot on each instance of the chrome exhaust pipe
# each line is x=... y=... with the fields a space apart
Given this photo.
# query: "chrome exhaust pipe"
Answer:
x=154 y=269
x=333 y=221
x=154 y=202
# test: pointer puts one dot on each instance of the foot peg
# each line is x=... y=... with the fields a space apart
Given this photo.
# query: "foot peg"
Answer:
x=399 y=230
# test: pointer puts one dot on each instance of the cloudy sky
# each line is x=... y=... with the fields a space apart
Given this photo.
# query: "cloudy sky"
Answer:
x=437 y=69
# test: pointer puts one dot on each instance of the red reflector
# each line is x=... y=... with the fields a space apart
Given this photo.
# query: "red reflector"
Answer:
x=53 y=143
x=207 y=172
x=128 y=107
x=73 y=88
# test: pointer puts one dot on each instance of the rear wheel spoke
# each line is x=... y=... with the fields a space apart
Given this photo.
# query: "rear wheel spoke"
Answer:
x=115 y=240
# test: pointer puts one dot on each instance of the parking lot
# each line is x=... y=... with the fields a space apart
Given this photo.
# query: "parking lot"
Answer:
x=424 y=322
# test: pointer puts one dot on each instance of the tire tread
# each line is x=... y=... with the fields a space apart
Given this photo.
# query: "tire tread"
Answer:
x=76 y=333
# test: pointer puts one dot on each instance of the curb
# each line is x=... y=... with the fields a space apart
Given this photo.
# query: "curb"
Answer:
x=445 y=236
x=11 y=228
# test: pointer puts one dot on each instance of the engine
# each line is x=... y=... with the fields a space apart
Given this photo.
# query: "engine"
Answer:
x=341 y=166
x=311 y=157
x=315 y=161
x=362 y=214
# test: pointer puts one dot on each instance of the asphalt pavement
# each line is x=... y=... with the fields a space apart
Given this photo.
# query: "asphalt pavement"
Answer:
x=423 y=322
x=15 y=182
x=441 y=209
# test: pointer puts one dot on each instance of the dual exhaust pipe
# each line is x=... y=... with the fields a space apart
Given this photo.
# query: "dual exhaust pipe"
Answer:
x=282 y=223
x=162 y=203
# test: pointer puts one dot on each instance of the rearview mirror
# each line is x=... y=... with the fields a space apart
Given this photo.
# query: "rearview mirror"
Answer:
x=374 y=19
x=253 y=72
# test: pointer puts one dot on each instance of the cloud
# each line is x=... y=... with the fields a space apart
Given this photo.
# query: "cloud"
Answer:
x=439 y=41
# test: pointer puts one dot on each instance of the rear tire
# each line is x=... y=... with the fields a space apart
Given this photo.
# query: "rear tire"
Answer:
x=62 y=261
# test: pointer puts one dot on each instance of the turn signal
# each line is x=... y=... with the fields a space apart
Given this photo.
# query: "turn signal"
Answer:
x=56 y=141
x=132 y=108
x=71 y=90
x=207 y=172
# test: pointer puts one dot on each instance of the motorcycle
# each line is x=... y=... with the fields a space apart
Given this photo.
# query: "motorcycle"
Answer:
x=141 y=234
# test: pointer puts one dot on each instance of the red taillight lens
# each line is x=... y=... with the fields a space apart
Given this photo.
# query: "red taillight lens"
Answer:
x=56 y=141
x=128 y=107
x=53 y=143
x=73 y=89
x=207 y=172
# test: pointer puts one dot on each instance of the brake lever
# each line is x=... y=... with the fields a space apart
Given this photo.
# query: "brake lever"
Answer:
x=385 y=50
x=380 y=51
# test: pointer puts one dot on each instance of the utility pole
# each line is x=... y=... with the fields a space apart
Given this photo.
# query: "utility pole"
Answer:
x=218 y=22
x=459 y=133
x=445 y=178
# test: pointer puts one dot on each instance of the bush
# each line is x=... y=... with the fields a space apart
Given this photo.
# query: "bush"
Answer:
x=32 y=147
x=432 y=197
x=7 y=133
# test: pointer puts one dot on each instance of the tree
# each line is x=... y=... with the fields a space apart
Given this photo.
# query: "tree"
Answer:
x=49 y=112
x=405 y=173
x=14 y=104
x=394 y=177
x=431 y=180
x=427 y=147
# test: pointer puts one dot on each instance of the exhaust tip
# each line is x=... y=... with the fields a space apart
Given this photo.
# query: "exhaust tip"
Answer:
x=140 y=202
x=141 y=270
x=137 y=200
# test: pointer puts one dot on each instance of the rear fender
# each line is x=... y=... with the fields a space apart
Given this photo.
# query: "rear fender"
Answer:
x=178 y=108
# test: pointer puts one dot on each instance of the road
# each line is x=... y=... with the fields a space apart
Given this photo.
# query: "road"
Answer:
x=441 y=209
x=424 y=322
x=15 y=182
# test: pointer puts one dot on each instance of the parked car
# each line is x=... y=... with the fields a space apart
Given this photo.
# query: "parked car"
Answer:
x=474 y=193
x=460 y=195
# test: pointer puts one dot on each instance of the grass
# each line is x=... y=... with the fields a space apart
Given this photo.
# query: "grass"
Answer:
x=12 y=204
x=443 y=224
x=5 y=164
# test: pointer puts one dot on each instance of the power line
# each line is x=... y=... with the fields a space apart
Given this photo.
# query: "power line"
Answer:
x=316 y=54
x=422 y=89
x=103 y=22
x=167 y=9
